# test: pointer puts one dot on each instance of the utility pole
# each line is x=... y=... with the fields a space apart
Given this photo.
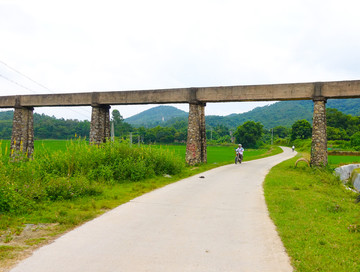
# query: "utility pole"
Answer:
x=112 y=132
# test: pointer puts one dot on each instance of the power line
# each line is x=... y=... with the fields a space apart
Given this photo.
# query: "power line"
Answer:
x=16 y=83
x=41 y=85
x=16 y=71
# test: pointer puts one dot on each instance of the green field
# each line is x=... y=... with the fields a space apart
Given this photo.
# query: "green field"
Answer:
x=50 y=145
x=340 y=160
x=220 y=154
x=215 y=154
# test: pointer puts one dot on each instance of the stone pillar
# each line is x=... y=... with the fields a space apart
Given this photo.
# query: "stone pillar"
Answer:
x=196 y=138
x=22 y=139
x=100 y=124
x=319 y=138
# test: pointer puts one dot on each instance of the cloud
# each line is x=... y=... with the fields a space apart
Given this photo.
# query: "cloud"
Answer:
x=73 y=46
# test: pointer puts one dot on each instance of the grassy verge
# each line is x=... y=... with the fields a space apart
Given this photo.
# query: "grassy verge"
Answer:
x=48 y=216
x=316 y=217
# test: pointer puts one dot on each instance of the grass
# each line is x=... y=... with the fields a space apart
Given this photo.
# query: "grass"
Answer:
x=39 y=145
x=316 y=218
x=224 y=154
x=8 y=252
x=334 y=161
x=215 y=154
x=60 y=215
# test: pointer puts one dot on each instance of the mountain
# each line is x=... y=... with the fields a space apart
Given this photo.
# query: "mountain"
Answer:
x=283 y=113
x=156 y=116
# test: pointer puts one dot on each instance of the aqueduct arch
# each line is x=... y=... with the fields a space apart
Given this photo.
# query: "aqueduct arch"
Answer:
x=319 y=92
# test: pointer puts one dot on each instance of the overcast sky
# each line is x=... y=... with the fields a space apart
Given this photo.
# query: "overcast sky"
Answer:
x=85 y=46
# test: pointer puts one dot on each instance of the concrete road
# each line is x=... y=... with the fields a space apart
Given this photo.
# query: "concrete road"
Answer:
x=216 y=223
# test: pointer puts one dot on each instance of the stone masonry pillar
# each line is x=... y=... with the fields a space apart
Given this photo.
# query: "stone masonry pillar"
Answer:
x=196 y=138
x=319 y=140
x=22 y=138
x=100 y=124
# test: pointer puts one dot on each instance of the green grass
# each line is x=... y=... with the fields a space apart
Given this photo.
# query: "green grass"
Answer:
x=51 y=145
x=39 y=145
x=8 y=252
x=215 y=154
x=335 y=161
x=316 y=218
x=224 y=154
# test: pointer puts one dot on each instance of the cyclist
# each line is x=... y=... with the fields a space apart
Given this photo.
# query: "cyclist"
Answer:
x=240 y=152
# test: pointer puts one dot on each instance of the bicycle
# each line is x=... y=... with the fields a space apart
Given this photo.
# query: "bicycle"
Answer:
x=238 y=158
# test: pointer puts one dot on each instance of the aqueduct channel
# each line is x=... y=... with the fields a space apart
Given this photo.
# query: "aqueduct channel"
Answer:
x=23 y=133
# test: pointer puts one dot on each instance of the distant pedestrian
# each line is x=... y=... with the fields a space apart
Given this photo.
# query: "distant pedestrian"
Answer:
x=293 y=148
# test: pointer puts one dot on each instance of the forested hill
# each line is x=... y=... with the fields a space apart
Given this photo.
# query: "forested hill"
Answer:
x=283 y=113
x=156 y=116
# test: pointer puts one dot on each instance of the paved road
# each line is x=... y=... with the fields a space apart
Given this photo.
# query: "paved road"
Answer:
x=216 y=223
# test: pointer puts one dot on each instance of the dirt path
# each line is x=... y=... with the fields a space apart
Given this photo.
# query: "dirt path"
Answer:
x=215 y=221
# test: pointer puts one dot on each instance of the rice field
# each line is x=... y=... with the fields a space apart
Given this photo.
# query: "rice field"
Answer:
x=215 y=154
x=335 y=160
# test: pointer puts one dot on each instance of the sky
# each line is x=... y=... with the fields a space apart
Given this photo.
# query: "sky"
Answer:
x=117 y=45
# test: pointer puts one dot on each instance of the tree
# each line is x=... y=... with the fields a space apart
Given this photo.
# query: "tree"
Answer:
x=336 y=119
x=355 y=140
x=249 y=134
x=336 y=134
x=281 y=132
x=116 y=117
x=120 y=126
x=301 y=129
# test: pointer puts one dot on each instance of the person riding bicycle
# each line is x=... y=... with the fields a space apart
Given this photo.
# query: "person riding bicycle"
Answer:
x=240 y=151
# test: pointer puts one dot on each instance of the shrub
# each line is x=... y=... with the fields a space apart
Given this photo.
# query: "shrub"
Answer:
x=355 y=140
x=78 y=171
x=68 y=188
x=11 y=200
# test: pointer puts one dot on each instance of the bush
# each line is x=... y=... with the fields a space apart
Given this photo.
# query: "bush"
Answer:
x=68 y=188
x=302 y=145
x=11 y=200
x=282 y=142
x=78 y=171
x=355 y=140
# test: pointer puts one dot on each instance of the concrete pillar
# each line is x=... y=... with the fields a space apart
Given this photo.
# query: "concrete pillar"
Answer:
x=196 y=138
x=319 y=140
x=22 y=138
x=100 y=124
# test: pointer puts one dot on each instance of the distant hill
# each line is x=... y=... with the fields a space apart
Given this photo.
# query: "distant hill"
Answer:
x=283 y=113
x=156 y=116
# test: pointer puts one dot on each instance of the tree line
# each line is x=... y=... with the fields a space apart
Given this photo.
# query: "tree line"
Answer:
x=251 y=134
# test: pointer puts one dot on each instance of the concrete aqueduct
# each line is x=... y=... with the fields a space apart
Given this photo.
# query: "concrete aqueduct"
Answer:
x=23 y=133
